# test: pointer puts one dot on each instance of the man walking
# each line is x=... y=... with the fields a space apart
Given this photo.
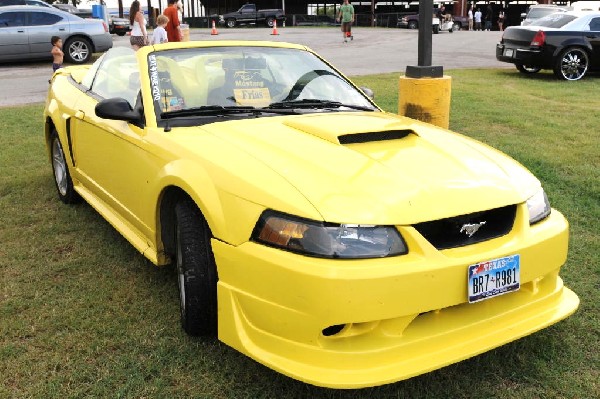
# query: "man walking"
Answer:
x=346 y=15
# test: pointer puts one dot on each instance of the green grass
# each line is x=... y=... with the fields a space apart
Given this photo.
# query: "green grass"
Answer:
x=82 y=314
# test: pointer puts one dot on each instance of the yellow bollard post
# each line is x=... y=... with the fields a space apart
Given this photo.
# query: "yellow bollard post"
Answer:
x=425 y=99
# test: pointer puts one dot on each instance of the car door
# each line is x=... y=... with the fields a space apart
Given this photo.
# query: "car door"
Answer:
x=111 y=157
x=593 y=37
x=13 y=35
x=248 y=13
x=42 y=25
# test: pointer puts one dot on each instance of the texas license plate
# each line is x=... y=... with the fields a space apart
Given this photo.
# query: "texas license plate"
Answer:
x=494 y=277
x=508 y=52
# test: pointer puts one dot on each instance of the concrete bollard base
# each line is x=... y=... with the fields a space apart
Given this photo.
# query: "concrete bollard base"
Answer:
x=425 y=99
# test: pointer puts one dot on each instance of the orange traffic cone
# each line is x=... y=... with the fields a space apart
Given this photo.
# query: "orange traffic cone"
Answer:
x=214 y=29
x=274 y=28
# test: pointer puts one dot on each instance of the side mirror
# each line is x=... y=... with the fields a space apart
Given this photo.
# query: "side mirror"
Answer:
x=118 y=109
x=368 y=92
x=523 y=15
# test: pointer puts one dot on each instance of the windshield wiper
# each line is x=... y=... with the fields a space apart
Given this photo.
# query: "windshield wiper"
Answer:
x=206 y=110
x=316 y=103
x=216 y=110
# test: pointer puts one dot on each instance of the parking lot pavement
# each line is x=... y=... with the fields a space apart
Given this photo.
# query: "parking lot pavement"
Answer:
x=373 y=50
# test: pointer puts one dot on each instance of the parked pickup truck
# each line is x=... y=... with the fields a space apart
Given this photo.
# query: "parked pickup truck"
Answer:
x=248 y=14
x=412 y=21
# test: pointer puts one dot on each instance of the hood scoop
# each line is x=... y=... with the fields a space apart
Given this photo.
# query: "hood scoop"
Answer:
x=352 y=128
x=374 y=136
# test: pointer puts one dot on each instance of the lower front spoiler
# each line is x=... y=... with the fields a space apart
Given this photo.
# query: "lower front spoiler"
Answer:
x=431 y=341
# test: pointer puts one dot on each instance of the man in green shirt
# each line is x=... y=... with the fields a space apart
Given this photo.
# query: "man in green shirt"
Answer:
x=346 y=15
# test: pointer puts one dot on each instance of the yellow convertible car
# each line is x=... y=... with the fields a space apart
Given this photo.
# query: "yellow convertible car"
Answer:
x=331 y=241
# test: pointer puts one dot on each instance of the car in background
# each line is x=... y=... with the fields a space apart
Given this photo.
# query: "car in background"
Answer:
x=25 y=33
x=38 y=3
x=336 y=243
x=538 y=11
x=412 y=21
x=70 y=8
x=118 y=26
x=566 y=42
x=312 y=20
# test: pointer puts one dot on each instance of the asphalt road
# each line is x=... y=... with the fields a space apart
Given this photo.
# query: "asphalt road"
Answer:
x=373 y=50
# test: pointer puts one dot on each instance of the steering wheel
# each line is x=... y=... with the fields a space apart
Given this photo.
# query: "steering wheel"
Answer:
x=305 y=80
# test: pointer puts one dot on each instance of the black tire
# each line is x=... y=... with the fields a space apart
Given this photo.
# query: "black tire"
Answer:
x=270 y=22
x=527 y=69
x=413 y=25
x=78 y=50
x=196 y=271
x=456 y=26
x=120 y=33
x=60 y=170
x=230 y=23
x=572 y=64
x=436 y=29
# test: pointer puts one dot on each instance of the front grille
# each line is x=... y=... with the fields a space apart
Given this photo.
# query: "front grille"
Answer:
x=446 y=233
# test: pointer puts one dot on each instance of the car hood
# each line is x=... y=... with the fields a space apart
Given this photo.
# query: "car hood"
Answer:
x=379 y=168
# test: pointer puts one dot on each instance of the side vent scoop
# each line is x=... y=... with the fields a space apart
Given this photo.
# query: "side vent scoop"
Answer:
x=374 y=136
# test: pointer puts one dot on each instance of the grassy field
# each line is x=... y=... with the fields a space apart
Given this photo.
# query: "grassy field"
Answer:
x=82 y=314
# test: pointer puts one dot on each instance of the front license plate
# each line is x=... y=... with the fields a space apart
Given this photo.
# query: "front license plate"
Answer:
x=508 y=52
x=494 y=277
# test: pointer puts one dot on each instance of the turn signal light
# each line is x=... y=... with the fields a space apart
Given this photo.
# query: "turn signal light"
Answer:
x=539 y=39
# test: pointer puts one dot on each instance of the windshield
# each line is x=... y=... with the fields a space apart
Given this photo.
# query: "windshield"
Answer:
x=556 y=20
x=220 y=79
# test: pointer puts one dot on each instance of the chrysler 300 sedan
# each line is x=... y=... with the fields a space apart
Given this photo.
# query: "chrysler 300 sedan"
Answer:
x=333 y=242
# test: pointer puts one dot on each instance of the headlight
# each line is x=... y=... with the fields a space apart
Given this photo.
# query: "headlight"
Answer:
x=327 y=240
x=538 y=206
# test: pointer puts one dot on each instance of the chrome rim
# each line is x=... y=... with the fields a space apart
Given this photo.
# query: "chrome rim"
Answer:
x=180 y=273
x=60 y=167
x=574 y=64
x=79 y=51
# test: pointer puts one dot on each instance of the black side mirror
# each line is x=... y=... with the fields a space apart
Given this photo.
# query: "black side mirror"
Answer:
x=118 y=109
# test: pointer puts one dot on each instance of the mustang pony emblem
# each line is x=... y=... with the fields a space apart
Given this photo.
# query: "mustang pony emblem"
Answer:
x=471 y=228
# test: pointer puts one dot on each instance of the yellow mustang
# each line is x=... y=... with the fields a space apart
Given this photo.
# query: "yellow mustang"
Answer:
x=331 y=241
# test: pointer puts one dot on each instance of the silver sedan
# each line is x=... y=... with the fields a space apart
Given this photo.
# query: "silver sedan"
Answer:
x=25 y=33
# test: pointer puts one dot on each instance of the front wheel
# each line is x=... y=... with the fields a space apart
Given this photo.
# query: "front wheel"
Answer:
x=456 y=26
x=78 y=50
x=196 y=271
x=270 y=22
x=230 y=23
x=413 y=25
x=527 y=69
x=62 y=177
x=572 y=64
x=436 y=29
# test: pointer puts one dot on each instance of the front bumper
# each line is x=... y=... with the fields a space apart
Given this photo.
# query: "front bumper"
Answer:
x=401 y=316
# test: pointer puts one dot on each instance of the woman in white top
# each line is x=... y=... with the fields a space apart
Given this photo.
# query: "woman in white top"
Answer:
x=139 y=36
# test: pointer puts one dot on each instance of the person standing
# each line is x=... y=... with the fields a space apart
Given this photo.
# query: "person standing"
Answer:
x=346 y=15
x=173 y=26
x=477 y=17
x=139 y=36
x=57 y=53
x=470 y=17
x=489 y=17
x=160 y=34
x=501 y=20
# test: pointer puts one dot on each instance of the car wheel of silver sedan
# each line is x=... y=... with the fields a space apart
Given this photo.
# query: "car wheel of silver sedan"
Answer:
x=62 y=178
x=527 y=69
x=196 y=271
x=572 y=64
x=78 y=50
